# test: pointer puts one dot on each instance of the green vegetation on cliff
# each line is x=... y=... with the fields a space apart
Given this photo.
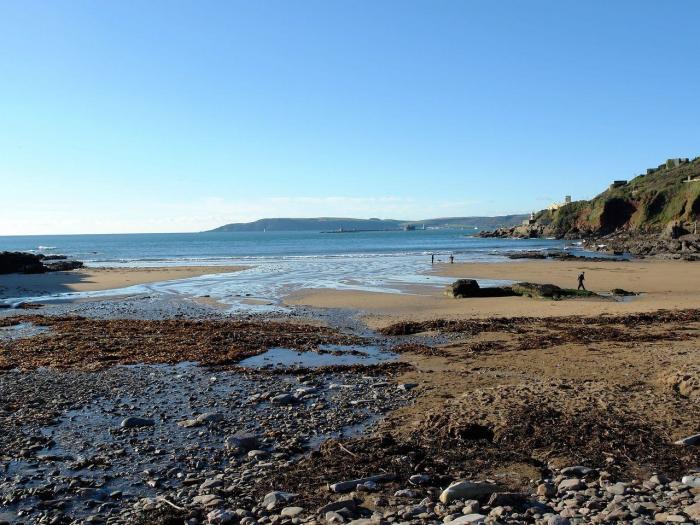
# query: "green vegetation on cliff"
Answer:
x=647 y=203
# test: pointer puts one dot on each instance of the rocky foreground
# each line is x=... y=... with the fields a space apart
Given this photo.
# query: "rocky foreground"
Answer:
x=574 y=494
x=505 y=420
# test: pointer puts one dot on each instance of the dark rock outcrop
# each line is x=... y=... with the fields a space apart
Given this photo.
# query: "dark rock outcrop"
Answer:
x=548 y=291
x=62 y=266
x=463 y=288
x=21 y=262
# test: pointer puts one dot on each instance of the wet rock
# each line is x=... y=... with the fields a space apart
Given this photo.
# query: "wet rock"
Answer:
x=136 y=422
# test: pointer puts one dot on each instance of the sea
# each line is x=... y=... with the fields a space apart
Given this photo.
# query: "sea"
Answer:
x=280 y=263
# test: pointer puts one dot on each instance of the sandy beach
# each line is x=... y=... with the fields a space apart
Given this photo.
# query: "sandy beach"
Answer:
x=93 y=279
x=662 y=285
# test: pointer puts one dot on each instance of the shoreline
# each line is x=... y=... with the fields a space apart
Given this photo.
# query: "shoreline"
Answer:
x=91 y=279
x=662 y=284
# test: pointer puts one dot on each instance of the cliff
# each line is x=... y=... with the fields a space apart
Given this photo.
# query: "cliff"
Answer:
x=649 y=203
x=664 y=202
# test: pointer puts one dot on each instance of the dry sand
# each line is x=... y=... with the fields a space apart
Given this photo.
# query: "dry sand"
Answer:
x=93 y=279
x=663 y=284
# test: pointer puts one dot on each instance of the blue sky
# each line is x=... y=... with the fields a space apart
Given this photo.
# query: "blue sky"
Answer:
x=128 y=116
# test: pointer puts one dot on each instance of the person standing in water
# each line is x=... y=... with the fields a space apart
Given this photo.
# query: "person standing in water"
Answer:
x=581 y=278
x=432 y=258
x=452 y=259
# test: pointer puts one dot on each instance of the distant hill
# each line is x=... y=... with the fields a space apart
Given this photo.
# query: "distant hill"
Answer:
x=319 y=224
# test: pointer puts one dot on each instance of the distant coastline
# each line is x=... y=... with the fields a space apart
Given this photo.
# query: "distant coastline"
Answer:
x=332 y=224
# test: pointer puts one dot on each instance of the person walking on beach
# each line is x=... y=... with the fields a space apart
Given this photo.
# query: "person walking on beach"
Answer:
x=452 y=259
x=581 y=278
x=432 y=258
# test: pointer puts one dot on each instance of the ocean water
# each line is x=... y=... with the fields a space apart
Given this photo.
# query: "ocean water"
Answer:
x=280 y=262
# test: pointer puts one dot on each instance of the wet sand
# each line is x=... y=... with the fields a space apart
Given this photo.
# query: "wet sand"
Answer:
x=94 y=279
x=662 y=284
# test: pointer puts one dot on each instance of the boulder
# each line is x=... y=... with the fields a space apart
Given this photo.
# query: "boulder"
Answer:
x=466 y=490
x=577 y=470
x=283 y=399
x=291 y=512
x=242 y=442
x=276 y=497
x=691 y=481
x=570 y=484
x=463 y=288
x=693 y=511
x=219 y=516
x=347 y=486
x=689 y=441
x=136 y=422
x=338 y=505
x=467 y=518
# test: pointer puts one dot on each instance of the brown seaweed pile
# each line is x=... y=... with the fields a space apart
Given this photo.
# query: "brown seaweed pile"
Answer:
x=547 y=332
x=77 y=342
